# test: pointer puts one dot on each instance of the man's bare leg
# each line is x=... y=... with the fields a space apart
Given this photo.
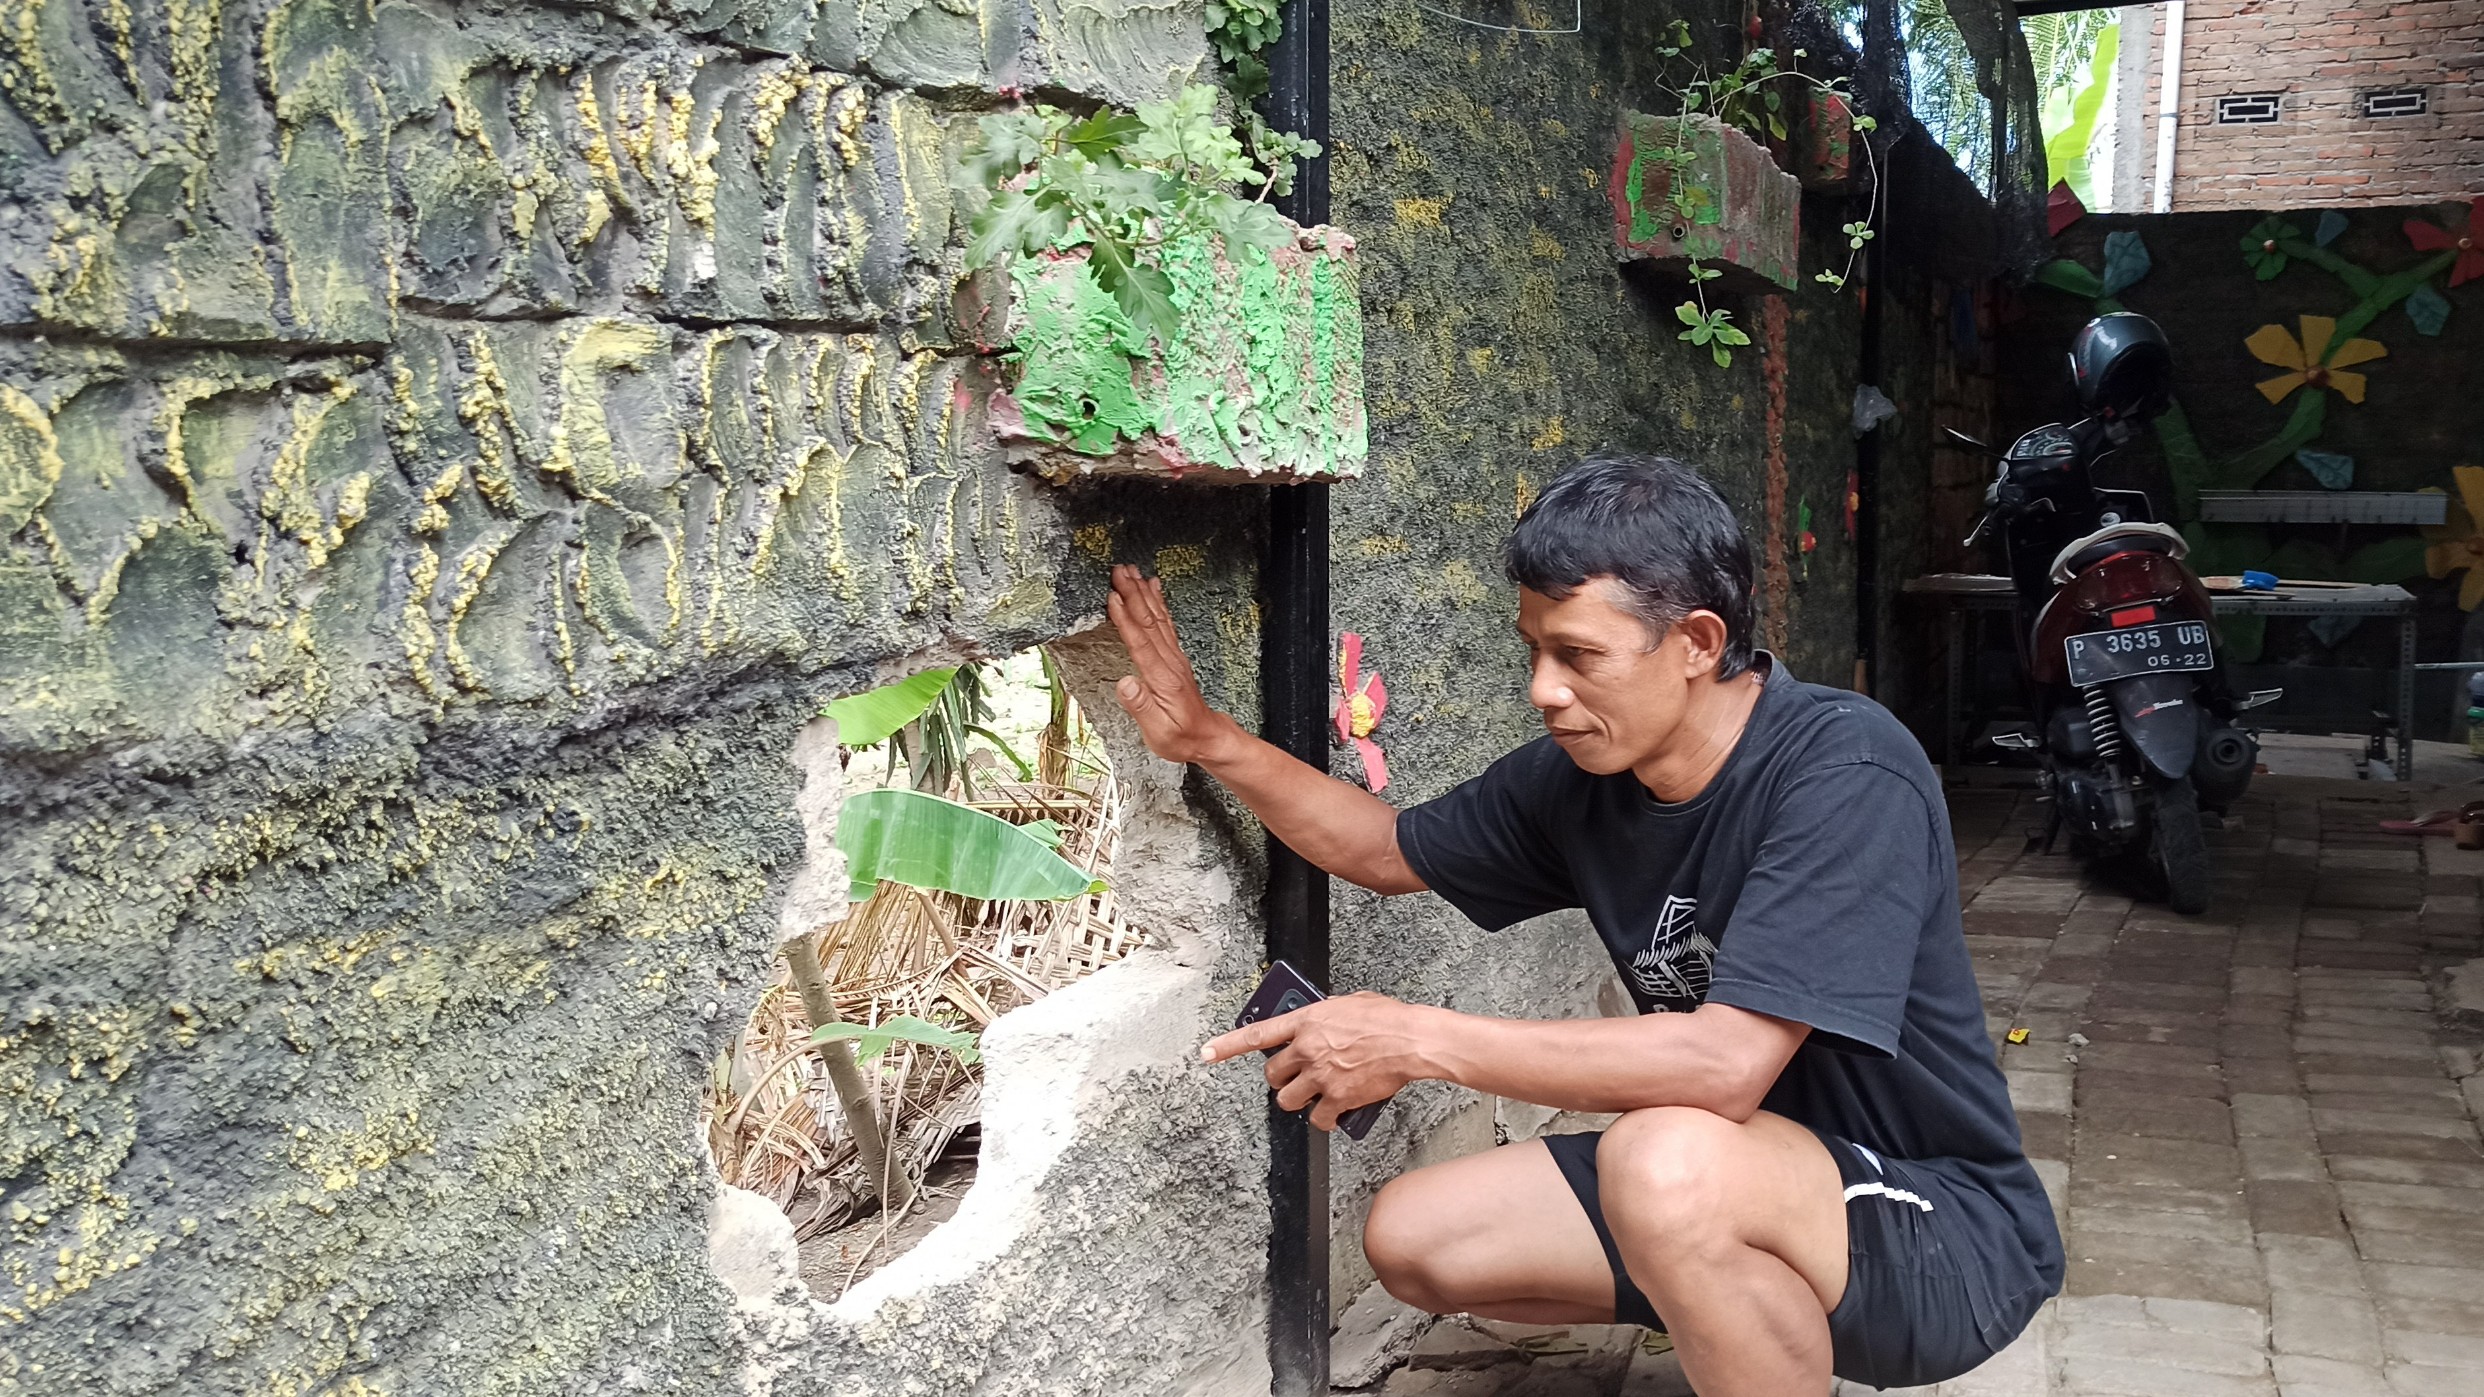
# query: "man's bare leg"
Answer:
x=1737 y=1232
x=1497 y=1234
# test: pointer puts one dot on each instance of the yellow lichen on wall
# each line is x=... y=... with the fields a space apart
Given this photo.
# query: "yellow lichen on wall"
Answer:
x=439 y=468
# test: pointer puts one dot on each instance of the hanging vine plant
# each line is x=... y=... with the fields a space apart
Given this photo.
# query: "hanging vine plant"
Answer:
x=1698 y=187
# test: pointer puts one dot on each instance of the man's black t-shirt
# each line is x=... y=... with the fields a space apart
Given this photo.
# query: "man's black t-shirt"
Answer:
x=1813 y=880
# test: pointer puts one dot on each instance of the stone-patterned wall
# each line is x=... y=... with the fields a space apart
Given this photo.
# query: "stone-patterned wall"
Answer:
x=446 y=451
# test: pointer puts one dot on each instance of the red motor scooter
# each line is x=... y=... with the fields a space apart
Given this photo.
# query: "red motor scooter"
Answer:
x=2116 y=639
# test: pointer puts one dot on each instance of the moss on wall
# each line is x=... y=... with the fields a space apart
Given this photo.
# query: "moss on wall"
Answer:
x=445 y=453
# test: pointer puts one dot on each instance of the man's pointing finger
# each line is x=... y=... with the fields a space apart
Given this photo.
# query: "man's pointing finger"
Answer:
x=1249 y=1038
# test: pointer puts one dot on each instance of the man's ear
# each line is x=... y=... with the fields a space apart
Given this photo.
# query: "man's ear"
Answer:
x=1702 y=634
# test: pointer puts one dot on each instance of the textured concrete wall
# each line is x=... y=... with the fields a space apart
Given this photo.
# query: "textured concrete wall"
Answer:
x=447 y=454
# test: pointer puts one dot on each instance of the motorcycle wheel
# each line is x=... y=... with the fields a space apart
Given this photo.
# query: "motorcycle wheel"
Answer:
x=2182 y=850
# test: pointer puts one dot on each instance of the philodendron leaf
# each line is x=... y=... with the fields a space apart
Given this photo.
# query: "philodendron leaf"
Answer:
x=871 y=1040
x=923 y=841
x=870 y=717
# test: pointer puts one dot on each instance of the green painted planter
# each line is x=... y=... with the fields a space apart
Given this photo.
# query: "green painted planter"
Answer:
x=1746 y=214
x=1263 y=385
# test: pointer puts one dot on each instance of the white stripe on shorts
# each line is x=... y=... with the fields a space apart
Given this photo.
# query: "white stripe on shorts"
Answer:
x=1879 y=1190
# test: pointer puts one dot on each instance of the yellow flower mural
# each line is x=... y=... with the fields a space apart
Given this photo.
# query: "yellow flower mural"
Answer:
x=2311 y=359
x=2459 y=543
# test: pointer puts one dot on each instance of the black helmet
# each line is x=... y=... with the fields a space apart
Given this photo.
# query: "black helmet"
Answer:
x=2122 y=367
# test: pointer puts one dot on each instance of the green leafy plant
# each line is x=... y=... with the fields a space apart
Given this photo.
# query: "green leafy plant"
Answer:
x=1709 y=328
x=1240 y=29
x=1750 y=97
x=924 y=841
x=869 y=718
x=934 y=745
x=1740 y=97
x=2074 y=96
x=1123 y=185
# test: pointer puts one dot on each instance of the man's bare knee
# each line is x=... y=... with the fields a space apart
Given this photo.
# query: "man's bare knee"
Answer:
x=1401 y=1241
x=1662 y=1178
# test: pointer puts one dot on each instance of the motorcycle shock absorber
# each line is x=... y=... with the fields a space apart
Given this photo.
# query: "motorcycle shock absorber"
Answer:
x=2102 y=723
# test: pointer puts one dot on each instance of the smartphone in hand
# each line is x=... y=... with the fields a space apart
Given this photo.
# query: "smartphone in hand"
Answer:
x=1281 y=991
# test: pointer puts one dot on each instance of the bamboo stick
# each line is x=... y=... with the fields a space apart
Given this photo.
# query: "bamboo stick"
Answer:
x=896 y=1190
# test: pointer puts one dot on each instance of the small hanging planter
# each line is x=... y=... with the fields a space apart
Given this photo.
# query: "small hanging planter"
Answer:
x=1726 y=206
x=1261 y=382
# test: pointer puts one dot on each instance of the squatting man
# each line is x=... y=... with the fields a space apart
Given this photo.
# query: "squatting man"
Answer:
x=1815 y=1169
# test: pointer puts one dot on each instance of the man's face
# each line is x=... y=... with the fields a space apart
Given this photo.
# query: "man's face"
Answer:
x=1607 y=697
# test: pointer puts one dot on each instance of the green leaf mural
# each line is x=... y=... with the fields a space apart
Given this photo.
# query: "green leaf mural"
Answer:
x=924 y=841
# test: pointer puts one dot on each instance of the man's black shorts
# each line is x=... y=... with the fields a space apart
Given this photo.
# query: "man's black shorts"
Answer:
x=1933 y=1286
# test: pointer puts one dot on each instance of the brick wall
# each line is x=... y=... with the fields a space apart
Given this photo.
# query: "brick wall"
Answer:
x=2320 y=56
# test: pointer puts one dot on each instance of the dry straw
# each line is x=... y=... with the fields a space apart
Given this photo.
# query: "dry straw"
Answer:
x=772 y=1120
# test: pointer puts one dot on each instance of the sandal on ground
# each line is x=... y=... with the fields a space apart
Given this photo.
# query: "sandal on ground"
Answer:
x=2469 y=827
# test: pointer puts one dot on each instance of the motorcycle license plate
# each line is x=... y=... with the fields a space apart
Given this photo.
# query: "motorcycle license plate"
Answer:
x=2100 y=657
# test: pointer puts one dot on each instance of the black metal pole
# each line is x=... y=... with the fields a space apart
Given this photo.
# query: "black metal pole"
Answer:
x=1293 y=686
x=1867 y=450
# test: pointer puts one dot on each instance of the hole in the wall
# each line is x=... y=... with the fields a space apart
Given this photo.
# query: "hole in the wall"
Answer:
x=1006 y=739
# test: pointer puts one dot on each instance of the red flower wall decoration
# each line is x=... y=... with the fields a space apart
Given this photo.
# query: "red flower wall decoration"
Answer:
x=1360 y=709
x=2429 y=237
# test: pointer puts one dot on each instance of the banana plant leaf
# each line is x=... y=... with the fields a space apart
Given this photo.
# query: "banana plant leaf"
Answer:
x=869 y=717
x=872 y=1040
x=2071 y=117
x=923 y=841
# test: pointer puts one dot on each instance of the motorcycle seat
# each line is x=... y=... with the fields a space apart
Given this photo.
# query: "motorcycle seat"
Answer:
x=2082 y=553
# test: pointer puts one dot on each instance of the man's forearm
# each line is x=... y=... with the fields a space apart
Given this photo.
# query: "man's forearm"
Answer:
x=1335 y=824
x=1717 y=1059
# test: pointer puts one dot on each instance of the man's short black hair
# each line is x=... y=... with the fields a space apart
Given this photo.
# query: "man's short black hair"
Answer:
x=1652 y=525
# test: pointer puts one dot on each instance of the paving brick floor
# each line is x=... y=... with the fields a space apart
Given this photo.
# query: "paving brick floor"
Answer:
x=2259 y=1126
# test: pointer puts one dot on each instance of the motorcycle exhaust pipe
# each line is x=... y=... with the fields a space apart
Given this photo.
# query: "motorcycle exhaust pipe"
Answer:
x=2226 y=758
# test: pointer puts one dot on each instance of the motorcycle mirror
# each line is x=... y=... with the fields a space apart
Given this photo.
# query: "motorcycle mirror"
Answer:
x=1964 y=440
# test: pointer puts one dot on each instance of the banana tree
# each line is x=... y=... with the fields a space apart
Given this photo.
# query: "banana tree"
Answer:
x=898 y=835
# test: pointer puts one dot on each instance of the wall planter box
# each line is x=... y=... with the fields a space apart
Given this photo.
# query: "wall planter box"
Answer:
x=1745 y=212
x=1264 y=384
